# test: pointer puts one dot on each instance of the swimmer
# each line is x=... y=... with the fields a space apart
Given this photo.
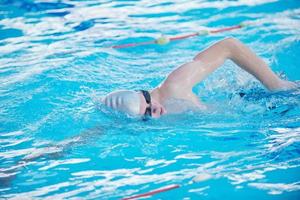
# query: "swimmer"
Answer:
x=178 y=85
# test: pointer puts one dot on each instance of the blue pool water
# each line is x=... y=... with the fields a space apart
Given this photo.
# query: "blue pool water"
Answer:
x=58 y=142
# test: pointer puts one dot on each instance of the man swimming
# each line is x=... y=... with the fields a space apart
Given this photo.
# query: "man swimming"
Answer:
x=178 y=85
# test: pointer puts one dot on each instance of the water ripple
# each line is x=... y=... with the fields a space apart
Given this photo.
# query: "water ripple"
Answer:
x=56 y=141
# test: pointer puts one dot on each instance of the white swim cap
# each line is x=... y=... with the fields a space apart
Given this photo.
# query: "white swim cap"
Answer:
x=124 y=100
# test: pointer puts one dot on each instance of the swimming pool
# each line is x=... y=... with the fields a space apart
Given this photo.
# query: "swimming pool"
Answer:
x=58 y=142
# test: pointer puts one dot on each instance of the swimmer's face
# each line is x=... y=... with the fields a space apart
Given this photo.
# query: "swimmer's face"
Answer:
x=155 y=108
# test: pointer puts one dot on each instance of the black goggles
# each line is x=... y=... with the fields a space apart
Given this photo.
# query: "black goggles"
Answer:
x=148 y=111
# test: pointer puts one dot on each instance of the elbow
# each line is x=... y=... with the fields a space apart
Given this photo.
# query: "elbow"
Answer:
x=229 y=45
x=230 y=40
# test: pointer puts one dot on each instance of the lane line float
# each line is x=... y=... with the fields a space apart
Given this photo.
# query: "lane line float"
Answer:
x=165 y=40
x=200 y=177
x=153 y=192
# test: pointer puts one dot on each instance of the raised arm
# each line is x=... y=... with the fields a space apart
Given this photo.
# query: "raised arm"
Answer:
x=188 y=75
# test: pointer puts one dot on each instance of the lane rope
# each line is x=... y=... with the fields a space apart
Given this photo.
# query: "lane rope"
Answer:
x=200 y=177
x=153 y=192
x=165 y=39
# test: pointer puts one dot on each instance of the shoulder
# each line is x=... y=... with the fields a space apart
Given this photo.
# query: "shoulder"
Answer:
x=175 y=91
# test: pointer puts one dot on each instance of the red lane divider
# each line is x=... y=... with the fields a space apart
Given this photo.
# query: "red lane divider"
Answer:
x=184 y=36
x=153 y=192
x=228 y=28
x=164 y=40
